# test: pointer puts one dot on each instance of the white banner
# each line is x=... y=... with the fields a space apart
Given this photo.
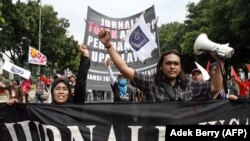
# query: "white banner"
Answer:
x=36 y=57
x=141 y=40
x=8 y=66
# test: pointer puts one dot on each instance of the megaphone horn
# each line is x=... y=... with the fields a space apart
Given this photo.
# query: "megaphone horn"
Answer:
x=202 y=44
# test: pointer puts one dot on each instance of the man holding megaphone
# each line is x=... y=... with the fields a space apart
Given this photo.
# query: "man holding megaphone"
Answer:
x=169 y=83
x=203 y=44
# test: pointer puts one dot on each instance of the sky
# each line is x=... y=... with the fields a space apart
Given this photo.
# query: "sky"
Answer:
x=76 y=11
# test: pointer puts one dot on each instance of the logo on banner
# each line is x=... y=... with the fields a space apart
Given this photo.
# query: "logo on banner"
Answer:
x=16 y=70
x=133 y=49
x=138 y=39
x=12 y=68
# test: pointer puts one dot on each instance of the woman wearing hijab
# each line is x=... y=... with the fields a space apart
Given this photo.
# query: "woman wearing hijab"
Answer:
x=60 y=88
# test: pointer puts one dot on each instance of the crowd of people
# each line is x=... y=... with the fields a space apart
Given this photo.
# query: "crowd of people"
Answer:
x=62 y=89
x=169 y=83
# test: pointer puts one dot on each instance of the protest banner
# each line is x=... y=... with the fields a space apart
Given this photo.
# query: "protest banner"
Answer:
x=124 y=121
x=98 y=78
x=36 y=57
x=12 y=68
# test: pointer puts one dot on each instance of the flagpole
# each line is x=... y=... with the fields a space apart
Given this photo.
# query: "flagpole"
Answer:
x=39 y=35
x=157 y=34
x=224 y=78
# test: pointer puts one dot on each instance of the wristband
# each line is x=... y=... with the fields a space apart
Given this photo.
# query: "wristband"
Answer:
x=109 y=46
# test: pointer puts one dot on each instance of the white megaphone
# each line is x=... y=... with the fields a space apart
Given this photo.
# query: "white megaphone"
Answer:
x=202 y=44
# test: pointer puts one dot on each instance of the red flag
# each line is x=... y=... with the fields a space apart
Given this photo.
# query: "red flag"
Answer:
x=243 y=88
x=248 y=67
x=234 y=74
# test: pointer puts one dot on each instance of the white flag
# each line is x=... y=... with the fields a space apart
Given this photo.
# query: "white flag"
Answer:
x=9 y=67
x=141 y=40
x=36 y=57
x=203 y=71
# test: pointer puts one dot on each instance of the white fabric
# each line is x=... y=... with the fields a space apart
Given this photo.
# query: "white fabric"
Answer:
x=36 y=57
x=111 y=75
x=10 y=67
x=141 y=40
x=204 y=72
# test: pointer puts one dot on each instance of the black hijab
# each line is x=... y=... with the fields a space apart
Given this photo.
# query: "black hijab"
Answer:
x=55 y=82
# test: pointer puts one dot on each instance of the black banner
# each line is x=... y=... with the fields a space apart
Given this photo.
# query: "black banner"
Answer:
x=98 y=78
x=124 y=121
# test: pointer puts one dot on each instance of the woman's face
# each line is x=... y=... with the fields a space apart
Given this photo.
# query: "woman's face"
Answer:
x=61 y=93
x=72 y=79
x=197 y=76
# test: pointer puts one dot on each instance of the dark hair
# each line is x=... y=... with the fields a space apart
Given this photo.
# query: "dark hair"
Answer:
x=159 y=65
x=16 y=80
x=159 y=73
x=55 y=76
x=55 y=82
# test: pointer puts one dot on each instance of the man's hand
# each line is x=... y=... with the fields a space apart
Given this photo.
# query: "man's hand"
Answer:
x=109 y=62
x=105 y=37
x=11 y=101
x=215 y=56
x=83 y=50
x=232 y=97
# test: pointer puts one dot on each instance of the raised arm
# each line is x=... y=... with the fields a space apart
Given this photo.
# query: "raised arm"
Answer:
x=105 y=37
x=217 y=80
x=80 y=87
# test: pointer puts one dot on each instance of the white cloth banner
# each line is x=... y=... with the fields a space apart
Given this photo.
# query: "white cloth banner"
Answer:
x=9 y=67
x=140 y=39
x=36 y=57
x=203 y=71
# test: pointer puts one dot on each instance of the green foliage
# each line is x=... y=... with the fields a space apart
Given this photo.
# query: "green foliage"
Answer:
x=170 y=36
x=224 y=21
x=21 y=30
x=1 y=18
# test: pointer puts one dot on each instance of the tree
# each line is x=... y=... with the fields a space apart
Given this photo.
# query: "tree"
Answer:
x=1 y=18
x=224 y=21
x=170 y=36
x=227 y=22
x=21 y=31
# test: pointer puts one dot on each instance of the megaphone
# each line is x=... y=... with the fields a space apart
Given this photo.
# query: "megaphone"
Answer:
x=202 y=44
